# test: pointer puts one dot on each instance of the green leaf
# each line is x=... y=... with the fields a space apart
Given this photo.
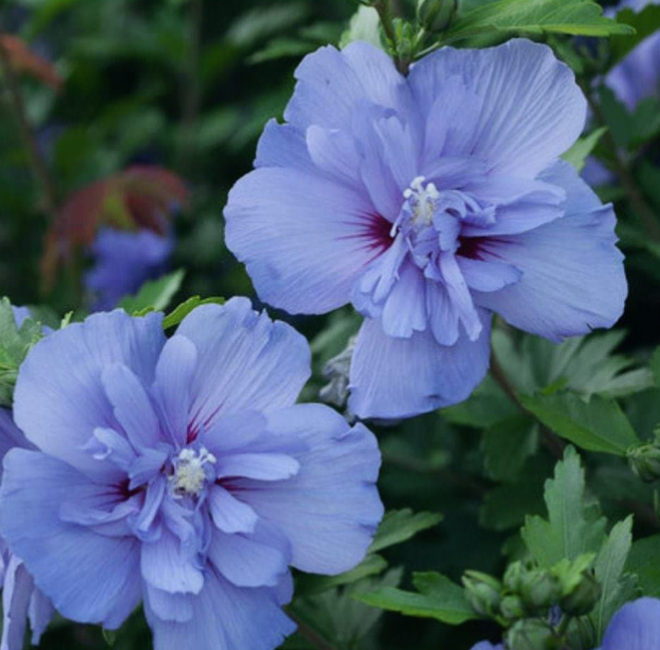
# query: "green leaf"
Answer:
x=598 y=425
x=644 y=562
x=507 y=445
x=573 y=527
x=577 y=17
x=364 y=26
x=577 y=155
x=401 y=525
x=630 y=130
x=179 y=313
x=308 y=585
x=154 y=295
x=645 y=23
x=617 y=588
x=15 y=343
x=438 y=598
x=281 y=48
x=110 y=636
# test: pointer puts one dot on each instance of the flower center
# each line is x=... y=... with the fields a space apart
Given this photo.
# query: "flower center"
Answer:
x=422 y=201
x=191 y=471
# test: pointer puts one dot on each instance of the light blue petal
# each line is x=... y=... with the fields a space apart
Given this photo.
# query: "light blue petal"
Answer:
x=16 y=594
x=41 y=613
x=486 y=645
x=258 y=559
x=283 y=145
x=89 y=577
x=60 y=398
x=166 y=565
x=330 y=510
x=10 y=435
x=398 y=378
x=303 y=237
x=531 y=109
x=174 y=376
x=226 y=617
x=573 y=278
x=636 y=626
x=332 y=83
x=261 y=467
x=229 y=514
x=246 y=362
x=132 y=406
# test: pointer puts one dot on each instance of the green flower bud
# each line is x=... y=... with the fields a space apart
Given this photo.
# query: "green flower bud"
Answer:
x=514 y=575
x=583 y=598
x=512 y=608
x=645 y=461
x=531 y=634
x=483 y=592
x=436 y=15
x=539 y=590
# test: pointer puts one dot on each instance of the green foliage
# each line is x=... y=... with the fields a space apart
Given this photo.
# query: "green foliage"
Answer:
x=15 y=343
x=438 y=598
x=597 y=425
x=645 y=23
x=577 y=17
x=154 y=295
x=577 y=155
x=181 y=311
x=399 y=526
x=574 y=526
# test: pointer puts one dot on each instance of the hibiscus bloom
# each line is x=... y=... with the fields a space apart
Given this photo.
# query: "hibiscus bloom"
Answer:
x=429 y=202
x=21 y=600
x=180 y=473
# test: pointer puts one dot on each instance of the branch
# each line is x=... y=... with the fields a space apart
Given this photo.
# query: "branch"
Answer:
x=315 y=639
x=550 y=440
x=37 y=163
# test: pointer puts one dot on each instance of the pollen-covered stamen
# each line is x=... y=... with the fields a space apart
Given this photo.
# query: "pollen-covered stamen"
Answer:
x=422 y=201
x=191 y=471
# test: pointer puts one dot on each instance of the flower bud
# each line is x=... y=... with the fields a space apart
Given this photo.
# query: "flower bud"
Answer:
x=531 y=634
x=645 y=461
x=539 y=590
x=436 y=15
x=584 y=597
x=483 y=592
x=513 y=576
x=512 y=608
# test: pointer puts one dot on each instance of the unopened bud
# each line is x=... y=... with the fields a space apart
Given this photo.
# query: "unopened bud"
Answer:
x=584 y=597
x=483 y=592
x=436 y=15
x=540 y=590
x=531 y=634
x=645 y=461
x=512 y=608
x=514 y=575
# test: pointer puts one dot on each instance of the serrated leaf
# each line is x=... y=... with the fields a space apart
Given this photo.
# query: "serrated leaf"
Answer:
x=155 y=295
x=438 y=598
x=598 y=425
x=181 y=311
x=577 y=155
x=364 y=26
x=577 y=17
x=608 y=568
x=401 y=525
x=573 y=527
x=309 y=585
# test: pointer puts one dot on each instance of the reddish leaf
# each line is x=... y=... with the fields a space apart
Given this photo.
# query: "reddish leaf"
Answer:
x=26 y=61
x=139 y=197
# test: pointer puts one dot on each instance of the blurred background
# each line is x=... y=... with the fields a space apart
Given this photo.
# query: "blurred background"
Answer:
x=124 y=123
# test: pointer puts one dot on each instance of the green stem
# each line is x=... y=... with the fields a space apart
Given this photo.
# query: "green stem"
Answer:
x=384 y=10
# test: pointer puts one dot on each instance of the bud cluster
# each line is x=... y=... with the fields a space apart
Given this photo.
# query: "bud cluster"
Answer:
x=530 y=601
x=645 y=459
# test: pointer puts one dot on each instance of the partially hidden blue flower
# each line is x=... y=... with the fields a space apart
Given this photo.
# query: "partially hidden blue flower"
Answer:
x=636 y=626
x=429 y=202
x=21 y=600
x=633 y=80
x=180 y=473
x=123 y=261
